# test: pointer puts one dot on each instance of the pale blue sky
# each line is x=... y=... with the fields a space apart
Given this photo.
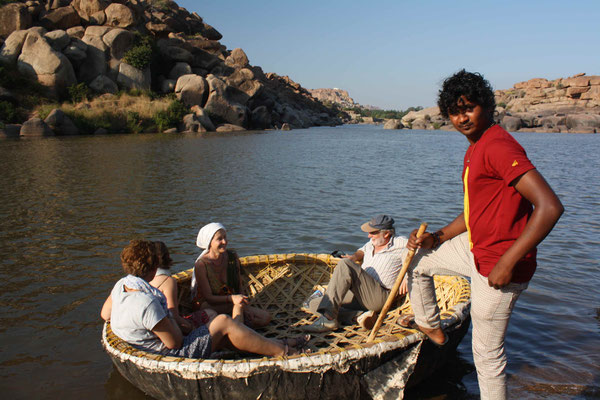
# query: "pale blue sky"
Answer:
x=394 y=54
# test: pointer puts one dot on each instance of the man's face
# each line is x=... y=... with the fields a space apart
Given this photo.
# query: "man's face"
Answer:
x=378 y=238
x=470 y=119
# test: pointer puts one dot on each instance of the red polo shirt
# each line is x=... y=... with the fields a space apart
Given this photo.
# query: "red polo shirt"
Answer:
x=495 y=213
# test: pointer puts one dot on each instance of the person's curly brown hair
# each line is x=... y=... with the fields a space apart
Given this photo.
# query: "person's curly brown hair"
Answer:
x=139 y=257
x=164 y=258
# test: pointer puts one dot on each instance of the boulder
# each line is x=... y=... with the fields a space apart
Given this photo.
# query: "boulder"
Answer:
x=511 y=123
x=7 y=95
x=98 y=31
x=297 y=118
x=98 y=18
x=203 y=118
x=96 y=51
x=192 y=90
x=76 y=32
x=12 y=47
x=118 y=41
x=210 y=33
x=51 y=68
x=14 y=17
x=61 y=18
x=393 y=124
x=10 y=131
x=158 y=29
x=60 y=123
x=221 y=107
x=237 y=59
x=180 y=69
x=552 y=121
x=286 y=127
x=132 y=78
x=76 y=51
x=35 y=127
x=576 y=81
x=230 y=128
x=36 y=8
x=260 y=118
x=191 y=124
x=87 y=8
x=578 y=122
x=205 y=60
x=592 y=94
x=103 y=84
x=575 y=92
x=119 y=15
x=167 y=85
x=58 y=39
x=176 y=54
x=171 y=131
x=243 y=80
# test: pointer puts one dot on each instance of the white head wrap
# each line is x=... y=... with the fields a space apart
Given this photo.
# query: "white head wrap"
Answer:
x=205 y=236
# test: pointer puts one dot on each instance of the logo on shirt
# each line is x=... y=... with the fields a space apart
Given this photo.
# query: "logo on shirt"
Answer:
x=515 y=163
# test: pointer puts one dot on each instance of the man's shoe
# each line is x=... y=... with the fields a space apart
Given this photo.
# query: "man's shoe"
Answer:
x=367 y=319
x=322 y=324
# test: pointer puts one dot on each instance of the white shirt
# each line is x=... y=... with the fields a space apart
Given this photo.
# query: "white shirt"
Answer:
x=385 y=265
x=134 y=315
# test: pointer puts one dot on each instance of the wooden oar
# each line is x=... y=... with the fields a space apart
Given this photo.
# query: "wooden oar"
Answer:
x=394 y=291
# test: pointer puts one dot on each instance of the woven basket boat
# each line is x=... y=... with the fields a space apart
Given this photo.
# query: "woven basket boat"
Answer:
x=340 y=363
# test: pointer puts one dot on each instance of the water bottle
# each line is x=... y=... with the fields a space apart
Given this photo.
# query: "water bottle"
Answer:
x=316 y=293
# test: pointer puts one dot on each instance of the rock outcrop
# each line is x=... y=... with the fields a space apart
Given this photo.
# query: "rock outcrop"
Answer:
x=335 y=95
x=560 y=105
x=101 y=43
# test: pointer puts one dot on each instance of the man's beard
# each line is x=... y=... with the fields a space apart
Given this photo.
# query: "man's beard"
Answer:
x=378 y=241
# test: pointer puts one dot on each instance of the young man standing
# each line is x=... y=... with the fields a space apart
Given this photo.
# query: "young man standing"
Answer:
x=508 y=210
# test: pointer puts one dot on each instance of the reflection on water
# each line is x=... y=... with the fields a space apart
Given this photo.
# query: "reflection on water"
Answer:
x=69 y=205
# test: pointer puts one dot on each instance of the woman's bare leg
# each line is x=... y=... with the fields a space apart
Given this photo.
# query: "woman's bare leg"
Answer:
x=237 y=314
x=242 y=337
x=257 y=317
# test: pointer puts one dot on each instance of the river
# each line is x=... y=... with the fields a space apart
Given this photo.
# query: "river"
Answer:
x=70 y=204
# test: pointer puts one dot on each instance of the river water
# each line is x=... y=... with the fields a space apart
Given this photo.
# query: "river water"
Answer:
x=69 y=205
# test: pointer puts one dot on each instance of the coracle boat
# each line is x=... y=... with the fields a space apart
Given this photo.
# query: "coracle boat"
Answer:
x=339 y=364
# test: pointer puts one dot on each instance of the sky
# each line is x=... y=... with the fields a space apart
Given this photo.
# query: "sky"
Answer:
x=395 y=54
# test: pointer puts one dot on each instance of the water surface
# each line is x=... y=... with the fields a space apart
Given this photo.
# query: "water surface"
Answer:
x=69 y=205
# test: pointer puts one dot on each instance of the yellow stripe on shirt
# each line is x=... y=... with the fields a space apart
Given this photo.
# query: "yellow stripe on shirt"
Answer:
x=466 y=205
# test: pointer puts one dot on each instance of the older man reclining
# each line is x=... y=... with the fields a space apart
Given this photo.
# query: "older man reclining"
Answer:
x=362 y=287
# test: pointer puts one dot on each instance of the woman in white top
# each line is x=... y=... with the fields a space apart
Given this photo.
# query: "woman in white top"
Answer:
x=216 y=283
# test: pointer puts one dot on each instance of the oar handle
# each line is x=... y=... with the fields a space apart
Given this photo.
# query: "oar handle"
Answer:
x=394 y=291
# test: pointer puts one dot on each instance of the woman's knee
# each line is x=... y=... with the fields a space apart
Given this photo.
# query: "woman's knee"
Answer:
x=219 y=324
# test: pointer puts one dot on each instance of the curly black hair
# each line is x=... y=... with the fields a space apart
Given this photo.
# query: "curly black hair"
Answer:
x=472 y=85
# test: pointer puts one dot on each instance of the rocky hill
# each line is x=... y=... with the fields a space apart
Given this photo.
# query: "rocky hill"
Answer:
x=537 y=105
x=148 y=45
x=333 y=96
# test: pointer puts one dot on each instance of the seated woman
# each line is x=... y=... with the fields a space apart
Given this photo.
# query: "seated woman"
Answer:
x=164 y=282
x=216 y=282
x=139 y=315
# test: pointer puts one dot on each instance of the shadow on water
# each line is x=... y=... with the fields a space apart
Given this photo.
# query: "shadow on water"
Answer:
x=446 y=383
x=117 y=388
